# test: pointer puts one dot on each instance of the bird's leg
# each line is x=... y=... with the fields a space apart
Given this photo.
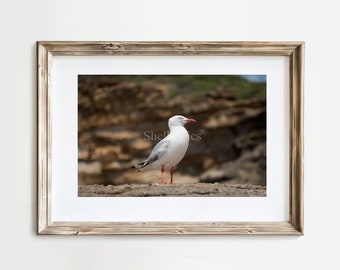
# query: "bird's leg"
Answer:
x=162 y=171
x=171 y=173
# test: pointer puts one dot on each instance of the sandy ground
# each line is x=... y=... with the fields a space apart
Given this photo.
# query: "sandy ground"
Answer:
x=173 y=190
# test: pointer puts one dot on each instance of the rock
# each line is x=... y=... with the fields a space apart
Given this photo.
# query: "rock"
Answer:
x=115 y=136
x=83 y=154
x=208 y=163
x=107 y=154
x=115 y=165
x=174 y=190
x=140 y=145
x=91 y=168
x=216 y=175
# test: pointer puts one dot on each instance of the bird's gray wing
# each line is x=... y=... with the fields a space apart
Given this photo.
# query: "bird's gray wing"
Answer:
x=158 y=151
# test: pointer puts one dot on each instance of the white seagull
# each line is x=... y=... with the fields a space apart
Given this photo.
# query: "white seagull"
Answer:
x=170 y=151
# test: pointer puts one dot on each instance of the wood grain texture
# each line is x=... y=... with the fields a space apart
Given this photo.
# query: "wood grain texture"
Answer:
x=43 y=139
x=172 y=228
x=170 y=48
x=296 y=137
x=45 y=52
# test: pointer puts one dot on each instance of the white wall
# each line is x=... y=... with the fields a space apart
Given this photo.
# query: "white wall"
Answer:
x=22 y=23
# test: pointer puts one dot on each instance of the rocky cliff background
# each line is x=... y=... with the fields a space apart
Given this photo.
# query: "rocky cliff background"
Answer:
x=121 y=118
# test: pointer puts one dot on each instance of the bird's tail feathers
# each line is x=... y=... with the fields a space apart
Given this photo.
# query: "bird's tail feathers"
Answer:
x=139 y=166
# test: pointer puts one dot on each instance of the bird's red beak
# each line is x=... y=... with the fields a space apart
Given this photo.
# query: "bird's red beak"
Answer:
x=191 y=121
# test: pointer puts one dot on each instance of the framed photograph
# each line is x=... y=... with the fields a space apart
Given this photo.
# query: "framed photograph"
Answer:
x=170 y=137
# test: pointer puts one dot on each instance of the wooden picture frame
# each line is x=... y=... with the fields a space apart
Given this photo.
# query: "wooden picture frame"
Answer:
x=47 y=50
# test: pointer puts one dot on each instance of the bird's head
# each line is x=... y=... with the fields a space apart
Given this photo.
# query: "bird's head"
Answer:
x=179 y=120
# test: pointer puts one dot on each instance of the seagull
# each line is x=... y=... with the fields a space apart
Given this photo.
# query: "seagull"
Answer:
x=168 y=152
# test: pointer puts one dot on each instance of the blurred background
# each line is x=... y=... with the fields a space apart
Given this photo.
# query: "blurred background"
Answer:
x=122 y=117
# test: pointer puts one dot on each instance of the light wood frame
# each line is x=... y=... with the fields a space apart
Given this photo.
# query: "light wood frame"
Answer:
x=294 y=50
